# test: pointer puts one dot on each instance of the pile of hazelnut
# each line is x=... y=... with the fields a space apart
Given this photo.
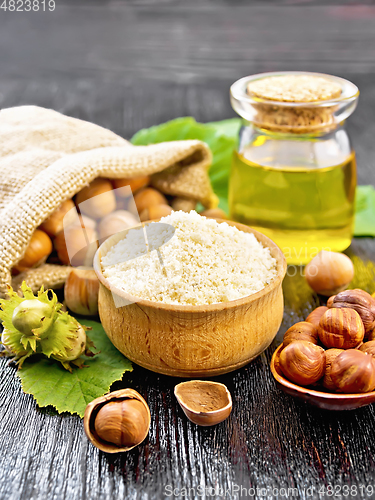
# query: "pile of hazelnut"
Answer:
x=335 y=346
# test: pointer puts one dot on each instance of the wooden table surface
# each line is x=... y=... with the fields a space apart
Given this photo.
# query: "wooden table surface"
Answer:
x=127 y=65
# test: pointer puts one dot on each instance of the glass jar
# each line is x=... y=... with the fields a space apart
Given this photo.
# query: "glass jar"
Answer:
x=293 y=177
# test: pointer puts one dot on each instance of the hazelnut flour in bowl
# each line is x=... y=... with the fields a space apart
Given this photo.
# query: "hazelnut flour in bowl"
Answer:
x=204 y=262
x=188 y=296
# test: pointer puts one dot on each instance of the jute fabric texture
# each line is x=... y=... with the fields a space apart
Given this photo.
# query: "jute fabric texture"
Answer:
x=46 y=158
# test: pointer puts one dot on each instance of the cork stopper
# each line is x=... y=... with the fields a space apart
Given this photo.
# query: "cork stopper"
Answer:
x=296 y=90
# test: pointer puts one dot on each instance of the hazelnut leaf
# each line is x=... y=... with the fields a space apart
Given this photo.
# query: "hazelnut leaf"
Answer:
x=221 y=137
x=51 y=384
x=365 y=211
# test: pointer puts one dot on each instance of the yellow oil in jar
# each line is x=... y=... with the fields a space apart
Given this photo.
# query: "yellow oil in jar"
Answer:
x=303 y=208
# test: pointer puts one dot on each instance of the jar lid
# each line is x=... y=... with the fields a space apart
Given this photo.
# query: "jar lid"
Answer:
x=294 y=102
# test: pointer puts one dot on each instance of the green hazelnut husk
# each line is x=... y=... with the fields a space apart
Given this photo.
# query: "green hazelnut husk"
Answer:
x=37 y=325
x=30 y=315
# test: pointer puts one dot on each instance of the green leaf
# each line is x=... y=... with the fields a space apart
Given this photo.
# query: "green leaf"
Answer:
x=221 y=137
x=365 y=211
x=51 y=384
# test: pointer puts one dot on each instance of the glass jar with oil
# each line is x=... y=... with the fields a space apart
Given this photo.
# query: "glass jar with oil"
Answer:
x=293 y=177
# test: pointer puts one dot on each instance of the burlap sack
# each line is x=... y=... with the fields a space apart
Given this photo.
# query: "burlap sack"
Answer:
x=46 y=158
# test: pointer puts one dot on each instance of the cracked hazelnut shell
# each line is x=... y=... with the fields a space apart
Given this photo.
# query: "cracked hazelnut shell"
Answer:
x=117 y=421
x=204 y=403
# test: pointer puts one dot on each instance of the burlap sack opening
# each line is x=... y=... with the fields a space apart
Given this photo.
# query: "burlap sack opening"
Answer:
x=46 y=158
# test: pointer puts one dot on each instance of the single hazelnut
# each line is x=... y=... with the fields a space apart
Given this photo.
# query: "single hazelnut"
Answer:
x=55 y=222
x=81 y=292
x=155 y=212
x=329 y=272
x=97 y=199
x=360 y=301
x=122 y=423
x=115 y=222
x=368 y=347
x=148 y=197
x=331 y=354
x=302 y=362
x=301 y=331
x=73 y=218
x=214 y=213
x=316 y=314
x=341 y=328
x=330 y=301
x=37 y=251
x=353 y=371
x=135 y=184
x=118 y=421
x=76 y=245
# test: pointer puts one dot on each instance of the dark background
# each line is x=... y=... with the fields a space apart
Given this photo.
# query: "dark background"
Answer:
x=127 y=65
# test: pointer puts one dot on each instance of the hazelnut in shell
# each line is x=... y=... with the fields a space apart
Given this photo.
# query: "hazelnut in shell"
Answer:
x=97 y=199
x=55 y=222
x=73 y=218
x=38 y=249
x=331 y=354
x=147 y=198
x=360 y=301
x=204 y=403
x=81 y=291
x=302 y=362
x=155 y=212
x=353 y=371
x=76 y=245
x=368 y=347
x=301 y=331
x=341 y=328
x=329 y=272
x=214 y=213
x=330 y=301
x=117 y=421
x=115 y=222
x=316 y=314
x=135 y=184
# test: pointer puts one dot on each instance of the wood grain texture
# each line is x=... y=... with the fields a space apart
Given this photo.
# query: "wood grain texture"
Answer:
x=192 y=341
x=128 y=65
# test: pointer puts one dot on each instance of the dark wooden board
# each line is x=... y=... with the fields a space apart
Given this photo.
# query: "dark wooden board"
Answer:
x=128 y=65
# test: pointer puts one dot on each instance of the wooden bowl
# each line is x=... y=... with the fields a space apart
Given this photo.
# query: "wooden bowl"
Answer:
x=192 y=341
x=324 y=400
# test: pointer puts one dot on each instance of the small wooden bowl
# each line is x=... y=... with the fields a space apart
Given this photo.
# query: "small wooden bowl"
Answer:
x=324 y=400
x=192 y=341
